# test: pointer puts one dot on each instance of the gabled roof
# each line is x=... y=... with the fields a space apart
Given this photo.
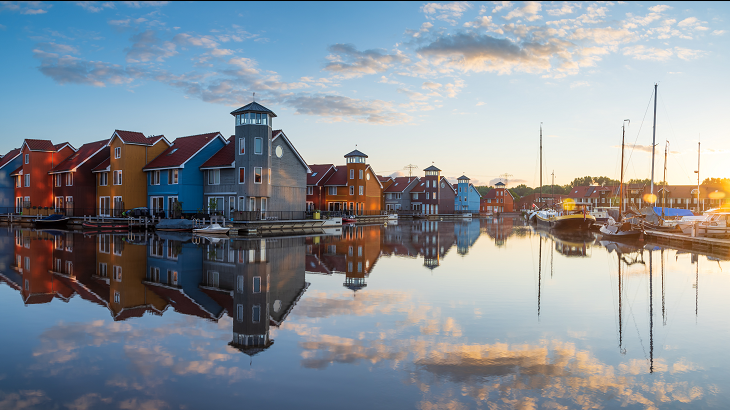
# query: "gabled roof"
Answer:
x=419 y=188
x=224 y=158
x=355 y=153
x=477 y=191
x=9 y=157
x=137 y=138
x=383 y=179
x=39 y=145
x=18 y=171
x=401 y=183
x=182 y=150
x=318 y=172
x=449 y=184
x=86 y=152
x=253 y=107
x=339 y=177
x=104 y=166
x=280 y=134
x=181 y=301
x=463 y=177
x=60 y=146
x=500 y=184
x=432 y=168
x=490 y=195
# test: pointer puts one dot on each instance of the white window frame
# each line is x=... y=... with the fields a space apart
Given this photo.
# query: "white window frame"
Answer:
x=310 y=190
x=160 y=201
x=352 y=174
x=108 y=208
x=361 y=190
x=352 y=189
x=241 y=146
x=27 y=158
x=103 y=179
x=57 y=180
x=26 y=177
x=260 y=149
x=361 y=174
x=117 y=152
x=258 y=171
x=173 y=177
x=155 y=177
x=240 y=180
x=332 y=190
x=117 y=177
x=117 y=273
x=256 y=318
x=69 y=179
x=215 y=175
x=256 y=282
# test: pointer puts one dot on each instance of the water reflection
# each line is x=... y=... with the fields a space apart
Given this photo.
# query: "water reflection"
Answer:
x=463 y=332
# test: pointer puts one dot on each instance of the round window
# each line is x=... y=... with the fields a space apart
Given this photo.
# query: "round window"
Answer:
x=279 y=151
x=368 y=177
x=443 y=185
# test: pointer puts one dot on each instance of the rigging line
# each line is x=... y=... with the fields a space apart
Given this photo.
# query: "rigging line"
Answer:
x=640 y=127
x=682 y=166
x=610 y=268
x=633 y=317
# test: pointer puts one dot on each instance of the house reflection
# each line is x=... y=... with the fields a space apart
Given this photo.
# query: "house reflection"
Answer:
x=498 y=229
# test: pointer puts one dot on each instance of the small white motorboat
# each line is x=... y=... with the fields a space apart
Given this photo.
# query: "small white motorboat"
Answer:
x=212 y=229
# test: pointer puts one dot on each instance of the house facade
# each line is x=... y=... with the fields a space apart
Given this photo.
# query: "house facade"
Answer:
x=121 y=181
x=353 y=187
x=174 y=179
x=9 y=163
x=467 y=196
x=440 y=195
x=316 y=192
x=33 y=186
x=73 y=183
x=267 y=173
x=397 y=196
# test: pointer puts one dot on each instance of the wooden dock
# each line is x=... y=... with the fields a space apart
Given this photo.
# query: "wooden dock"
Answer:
x=701 y=244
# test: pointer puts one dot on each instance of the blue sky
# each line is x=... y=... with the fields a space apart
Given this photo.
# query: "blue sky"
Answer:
x=463 y=85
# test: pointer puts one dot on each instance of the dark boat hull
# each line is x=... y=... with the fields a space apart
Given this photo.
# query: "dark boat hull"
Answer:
x=52 y=221
x=105 y=225
x=575 y=224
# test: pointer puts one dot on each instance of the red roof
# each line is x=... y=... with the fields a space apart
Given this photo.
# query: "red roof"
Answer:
x=181 y=150
x=225 y=157
x=17 y=171
x=103 y=166
x=382 y=178
x=338 y=178
x=58 y=147
x=224 y=298
x=132 y=137
x=400 y=184
x=318 y=171
x=181 y=302
x=40 y=145
x=82 y=155
x=420 y=187
x=9 y=157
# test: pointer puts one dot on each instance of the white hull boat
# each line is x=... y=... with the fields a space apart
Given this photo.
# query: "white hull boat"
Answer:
x=213 y=229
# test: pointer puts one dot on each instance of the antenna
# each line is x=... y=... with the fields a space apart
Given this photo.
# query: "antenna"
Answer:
x=410 y=168
x=254 y=96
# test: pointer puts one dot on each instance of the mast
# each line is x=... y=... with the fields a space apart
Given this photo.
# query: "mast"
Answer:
x=651 y=314
x=539 y=277
x=552 y=189
x=653 y=144
x=621 y=186
x=620 y=316
x=540 y=163
x=664 y=191
x=698 y=176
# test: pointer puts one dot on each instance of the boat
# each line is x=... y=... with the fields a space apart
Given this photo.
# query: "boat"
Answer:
x=621 y=228
x=392 y=217
x=566 y=220
x=212 y=229
x=715 y=223
x=54 y=220
x=348 y=218
x=112 y=225
x=175 y=225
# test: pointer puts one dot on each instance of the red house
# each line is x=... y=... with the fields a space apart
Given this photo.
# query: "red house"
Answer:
x=34 y=185
x=74 y=186
x=315 y=185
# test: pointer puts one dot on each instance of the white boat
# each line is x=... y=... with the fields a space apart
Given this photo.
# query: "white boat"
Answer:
x=213 y=229
x=714 y=222
x=392 y=217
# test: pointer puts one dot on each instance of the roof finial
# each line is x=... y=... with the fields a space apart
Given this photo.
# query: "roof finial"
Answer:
x=254 y=96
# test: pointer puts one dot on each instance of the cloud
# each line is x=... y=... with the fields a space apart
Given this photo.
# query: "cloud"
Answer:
x=718 y=32
x=95 y=6
x=147 y=47
x=688 y=54
x=25 y=7
x=72 y=70
x=346 y=61
x=88 y=401
x=425 y=28
x=340 y=108
x=430 y=85
x=641 y=52
x=448 y=12
x=528 y=11
x=604 y=36
x=57 y=48
x=128 y=22
x=576 y=84
x=24 y=399
x=693 y=23
x=566 y=8
x=501 y=5
x=140 y=4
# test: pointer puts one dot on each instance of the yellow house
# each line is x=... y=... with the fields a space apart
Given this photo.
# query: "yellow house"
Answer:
x=120 y=183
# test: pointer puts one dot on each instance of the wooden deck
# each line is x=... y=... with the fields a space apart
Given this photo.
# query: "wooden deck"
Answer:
x=702 y=244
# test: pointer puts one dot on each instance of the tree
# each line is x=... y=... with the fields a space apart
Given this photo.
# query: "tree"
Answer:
x=716 y=181
x=483 y=190
x=582 y=181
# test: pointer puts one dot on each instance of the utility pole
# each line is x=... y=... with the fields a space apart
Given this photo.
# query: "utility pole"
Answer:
x=506 y=177
x=540 y=200
x=552 y=189
x=698 y=177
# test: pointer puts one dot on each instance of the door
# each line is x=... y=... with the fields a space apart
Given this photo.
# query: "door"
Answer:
x=263 y=208
x=231 y=206
x=59 y=204
x=118 y=206
x=172 y=212
x=19 y=204
x=69 y=205
x=104 y=206
x=156 y=204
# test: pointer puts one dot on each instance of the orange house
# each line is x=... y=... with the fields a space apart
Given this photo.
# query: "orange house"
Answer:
x=121 y=184
x=354 y=187
x=33 y=254
x=34 y=186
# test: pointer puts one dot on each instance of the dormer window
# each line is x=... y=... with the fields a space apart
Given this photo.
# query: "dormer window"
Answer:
x=253 y=118
x=356 y=160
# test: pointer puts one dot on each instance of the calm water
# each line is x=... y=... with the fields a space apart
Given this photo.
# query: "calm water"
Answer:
x=481 y=314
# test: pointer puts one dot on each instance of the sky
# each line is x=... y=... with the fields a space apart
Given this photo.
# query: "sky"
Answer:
x=463 y=85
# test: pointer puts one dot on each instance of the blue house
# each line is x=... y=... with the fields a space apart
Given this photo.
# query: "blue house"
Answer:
x=174 y=178
x=8 y=163
x=174 y=273
x=467 y=196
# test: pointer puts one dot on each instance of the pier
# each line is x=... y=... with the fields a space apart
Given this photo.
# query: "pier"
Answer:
x=702 y=244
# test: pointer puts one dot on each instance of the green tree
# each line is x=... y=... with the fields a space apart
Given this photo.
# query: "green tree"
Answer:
x=716 y=181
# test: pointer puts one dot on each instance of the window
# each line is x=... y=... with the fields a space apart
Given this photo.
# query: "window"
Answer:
x=214 y=177
x=415 y=196
x=70 y=179
x=154 y=274
x=104 y=206
x=362 y=190
x=27 y=180
x=27 y=158
x=242 y=146
x=18 y=182
x=269 y=172
x=173 y=176
x=117 y=177
x=240 y=280
x=256 y=313
x=117 y=297
x=117 y=152
x=278 y=151
x=258 y=145
x=332 y=190
x=172 y=277
x=239 y=312
x=155 y=178
x=241 y=175
x=434 y=195
x=104 y=179
x=310 y=190
x=352 y=174
x=257 y=284
x=104 y=243
x=257 y=175
x=117 y=273
x=102 y=270
x=213 y=279
x=57 y=180
x=361 y=174
x=352 y=189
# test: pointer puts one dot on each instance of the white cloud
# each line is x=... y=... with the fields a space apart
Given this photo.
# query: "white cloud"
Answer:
x=641 y=52
x=448 y=12
x=566 y=8
x=25 y=7
x=718 y=32
x=95 y=6
x=501 y=5
x=688 y=54
x=528 y=11
x=348 y=62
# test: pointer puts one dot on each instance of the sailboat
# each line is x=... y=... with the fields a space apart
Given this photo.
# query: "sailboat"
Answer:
x=621 y=228
x=569 y=218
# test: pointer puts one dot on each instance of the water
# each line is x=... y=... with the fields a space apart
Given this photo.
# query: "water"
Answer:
x=428 y=315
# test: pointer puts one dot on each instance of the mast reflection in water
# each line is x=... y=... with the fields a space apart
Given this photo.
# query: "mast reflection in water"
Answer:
x=425 y=314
